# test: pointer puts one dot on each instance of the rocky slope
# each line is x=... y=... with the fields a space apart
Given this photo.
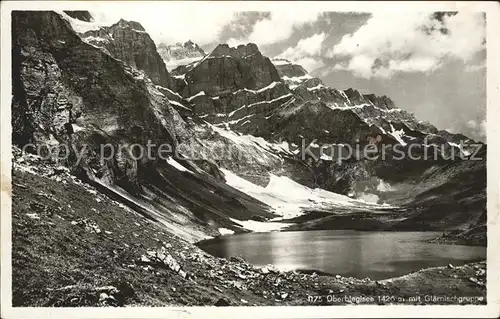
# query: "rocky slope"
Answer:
x=227 y=69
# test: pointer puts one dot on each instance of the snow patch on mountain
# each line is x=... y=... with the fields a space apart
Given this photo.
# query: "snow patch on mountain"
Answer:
x=169 y=90
x=260 y=227
x=201 y=93
x=464 y=151
x=280 y=62
x=345 y=96
x=318 y=87
x=295 y=81
x=287 y=198
x=179 y=105
x=398 y=135
x=271 y=101
x=172 y=64
x=241 y=139
x=368 y=198
x=177 y=165
x=270 y=86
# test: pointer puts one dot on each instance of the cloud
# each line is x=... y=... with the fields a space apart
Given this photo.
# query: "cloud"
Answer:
x=308 y=46
x=242 y=25
x=170 y=23
x=475 y=67
x=280 y=26
x=310 y=64
x=307 y=52
x=390 y=43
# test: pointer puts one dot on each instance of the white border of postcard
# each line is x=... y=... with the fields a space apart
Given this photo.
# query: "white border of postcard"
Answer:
x=492 y=309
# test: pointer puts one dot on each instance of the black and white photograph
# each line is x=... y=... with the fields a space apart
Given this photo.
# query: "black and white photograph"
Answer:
x=226 y=156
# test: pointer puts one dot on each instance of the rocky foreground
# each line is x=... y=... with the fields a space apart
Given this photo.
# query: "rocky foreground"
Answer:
x=73 y=246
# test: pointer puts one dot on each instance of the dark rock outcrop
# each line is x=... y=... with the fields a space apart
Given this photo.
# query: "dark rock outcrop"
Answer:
x=65 y=79
x=81 y=15
x=315 y=121
x=380 y=101
x=288 y=69
x=227 y=69
x=129 y=42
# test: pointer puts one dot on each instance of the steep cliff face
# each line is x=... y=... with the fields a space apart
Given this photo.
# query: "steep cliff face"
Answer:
x=129 y=42
x=288 y=69
x=227 y=69
x=66 y=81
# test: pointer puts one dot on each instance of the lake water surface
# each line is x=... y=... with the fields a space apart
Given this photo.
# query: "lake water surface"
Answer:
x=377 y=255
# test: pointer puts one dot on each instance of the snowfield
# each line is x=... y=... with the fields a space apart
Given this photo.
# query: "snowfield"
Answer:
x=83 y=26
x=260 y=227
x=398 y=134
x=287 y=198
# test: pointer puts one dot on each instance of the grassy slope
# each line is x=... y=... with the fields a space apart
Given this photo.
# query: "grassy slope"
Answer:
x=56 y=263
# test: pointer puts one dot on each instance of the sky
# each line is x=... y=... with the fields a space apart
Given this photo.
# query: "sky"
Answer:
x=431 y=64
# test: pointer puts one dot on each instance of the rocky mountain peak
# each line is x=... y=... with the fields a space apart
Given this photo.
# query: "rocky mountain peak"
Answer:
x=356 y=97
x=193 y=46
x=228 y=69
x=242 y=50
x=382 y=101
x=128 y=41
x=81 y=15
x=129 y=24
x=288 y=69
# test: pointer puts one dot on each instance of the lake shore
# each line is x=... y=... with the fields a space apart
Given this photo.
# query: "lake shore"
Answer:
x=381 y=221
